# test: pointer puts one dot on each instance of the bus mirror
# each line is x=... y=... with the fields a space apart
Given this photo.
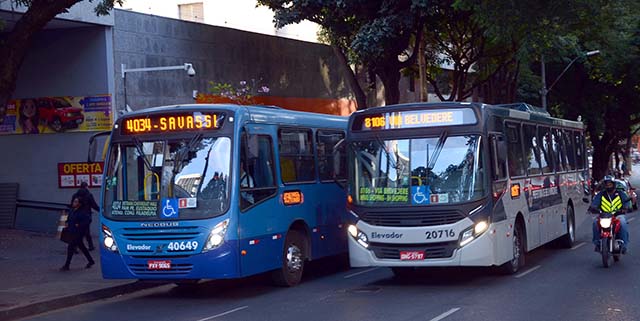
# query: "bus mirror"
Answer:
x=98 y=145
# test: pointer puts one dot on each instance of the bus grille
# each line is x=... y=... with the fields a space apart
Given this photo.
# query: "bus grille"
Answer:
x=176 y=269
x=412 y=219
x=161 y=234
x=431 y=250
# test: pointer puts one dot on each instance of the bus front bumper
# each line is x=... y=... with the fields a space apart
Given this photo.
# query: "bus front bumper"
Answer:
x=482 y=251
x=220 y=263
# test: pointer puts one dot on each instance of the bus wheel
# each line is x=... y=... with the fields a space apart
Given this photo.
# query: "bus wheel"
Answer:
x=517 y=261
x=293 y=256
x=568 y=239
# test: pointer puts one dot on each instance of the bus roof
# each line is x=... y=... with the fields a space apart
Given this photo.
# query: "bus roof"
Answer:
x=258 y=114
x=521 y=111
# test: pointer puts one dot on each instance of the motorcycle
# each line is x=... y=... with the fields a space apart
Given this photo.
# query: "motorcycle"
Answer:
x=610 y=244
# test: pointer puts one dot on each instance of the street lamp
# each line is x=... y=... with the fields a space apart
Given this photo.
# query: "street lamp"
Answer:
x=544 y=91
x=188 y=67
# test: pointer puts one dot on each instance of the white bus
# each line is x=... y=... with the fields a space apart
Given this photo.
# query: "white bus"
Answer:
x=462 y=184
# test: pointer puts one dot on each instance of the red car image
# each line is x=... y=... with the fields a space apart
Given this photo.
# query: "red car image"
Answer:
x=58 y=114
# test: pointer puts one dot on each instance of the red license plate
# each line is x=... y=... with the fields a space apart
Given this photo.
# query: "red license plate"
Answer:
x=159 y=265
x=411 y=255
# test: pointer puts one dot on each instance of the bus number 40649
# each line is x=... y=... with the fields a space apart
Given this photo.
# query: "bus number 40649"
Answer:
x=182 y=246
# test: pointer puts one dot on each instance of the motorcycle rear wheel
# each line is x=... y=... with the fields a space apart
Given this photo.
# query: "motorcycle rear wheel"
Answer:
x=604 y=250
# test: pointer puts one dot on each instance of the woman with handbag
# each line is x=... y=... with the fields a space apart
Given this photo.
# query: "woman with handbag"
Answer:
x=77 y=224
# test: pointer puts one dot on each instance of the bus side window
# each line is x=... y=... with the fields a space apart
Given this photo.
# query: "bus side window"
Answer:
x=514 y=150
x=257 y=181
x=532 y=150
x=327 y=161
x=297 y=163
x=498 y=156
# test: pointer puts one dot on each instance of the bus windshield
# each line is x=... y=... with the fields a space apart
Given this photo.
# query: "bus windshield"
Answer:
x=164 y=179
x=418 y=171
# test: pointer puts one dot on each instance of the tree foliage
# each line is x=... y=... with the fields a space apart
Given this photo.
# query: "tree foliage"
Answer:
x=15 y=43
x=374 y=33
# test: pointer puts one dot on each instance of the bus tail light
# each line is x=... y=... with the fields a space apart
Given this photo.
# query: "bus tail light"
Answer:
x=107 y=239
x=216 y=237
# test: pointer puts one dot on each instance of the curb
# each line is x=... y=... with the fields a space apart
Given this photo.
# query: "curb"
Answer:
x=75 y=299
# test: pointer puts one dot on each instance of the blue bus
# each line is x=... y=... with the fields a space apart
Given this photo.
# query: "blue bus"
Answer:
x=196 y=192
x=462 y=184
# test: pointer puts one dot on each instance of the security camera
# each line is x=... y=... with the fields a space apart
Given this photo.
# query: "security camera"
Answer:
x=189 y=68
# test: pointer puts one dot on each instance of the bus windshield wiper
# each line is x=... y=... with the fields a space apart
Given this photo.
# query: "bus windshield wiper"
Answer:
x=140 y=150
x=437 y=150
x=384 y=148
x=182 y=153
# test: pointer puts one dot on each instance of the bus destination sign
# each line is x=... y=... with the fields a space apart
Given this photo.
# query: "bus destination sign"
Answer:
x=168 y=123
x=414 y=119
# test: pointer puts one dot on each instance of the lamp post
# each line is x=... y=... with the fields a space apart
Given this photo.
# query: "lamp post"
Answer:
x=188 y=67
x=544 y=91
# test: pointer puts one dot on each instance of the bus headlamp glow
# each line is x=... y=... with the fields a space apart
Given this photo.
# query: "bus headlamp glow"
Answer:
x=480 y=227
x=107 y=239
x=216 y=237
x=359 y=236
x=473 y=232
x=605 y=222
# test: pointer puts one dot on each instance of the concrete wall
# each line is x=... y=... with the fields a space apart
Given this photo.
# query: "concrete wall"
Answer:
x=82 y=11
x=290 y=68
x=62 y=62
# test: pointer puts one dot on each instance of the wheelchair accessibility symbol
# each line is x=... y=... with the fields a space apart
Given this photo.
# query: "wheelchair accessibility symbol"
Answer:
x=170 y=207
x=420 y=195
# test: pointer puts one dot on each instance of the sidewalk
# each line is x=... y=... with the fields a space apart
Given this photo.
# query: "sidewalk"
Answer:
x=32 y=284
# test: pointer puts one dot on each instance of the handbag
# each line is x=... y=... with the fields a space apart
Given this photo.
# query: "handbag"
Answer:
x=67 y=236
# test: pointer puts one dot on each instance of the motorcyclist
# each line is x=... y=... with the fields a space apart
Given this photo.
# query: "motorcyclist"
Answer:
x=610 y=200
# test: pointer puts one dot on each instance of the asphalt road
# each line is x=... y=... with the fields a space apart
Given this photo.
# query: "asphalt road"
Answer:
x=556 y=284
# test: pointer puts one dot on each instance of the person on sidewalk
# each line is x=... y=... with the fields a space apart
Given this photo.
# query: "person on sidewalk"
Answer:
x=84 y=193
x=77 y=222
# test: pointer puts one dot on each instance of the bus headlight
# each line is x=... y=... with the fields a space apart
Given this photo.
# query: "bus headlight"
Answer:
x=107 y=239
x=473 y=232
x=359 y=236
x=216 y=237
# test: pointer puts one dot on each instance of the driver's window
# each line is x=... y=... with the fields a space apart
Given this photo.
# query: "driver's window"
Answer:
x=256 y=173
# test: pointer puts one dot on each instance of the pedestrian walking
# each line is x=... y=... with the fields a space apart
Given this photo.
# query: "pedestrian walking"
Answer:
x=84 y=193
x=77 y=224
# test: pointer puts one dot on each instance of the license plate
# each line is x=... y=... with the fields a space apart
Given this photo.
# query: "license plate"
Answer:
x=159 y=265
x=411 y=255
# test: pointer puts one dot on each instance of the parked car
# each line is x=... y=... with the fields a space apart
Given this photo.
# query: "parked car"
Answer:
x=58 y=114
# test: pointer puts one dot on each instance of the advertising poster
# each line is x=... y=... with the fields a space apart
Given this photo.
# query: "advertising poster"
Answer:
x=56 y=115
x=71 y=175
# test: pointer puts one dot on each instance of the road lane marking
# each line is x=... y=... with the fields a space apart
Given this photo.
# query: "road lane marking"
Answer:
x=224 y=313
x=631 y=219
x=446 y=314
x=361 y=272
x=578 y=245
x=528 y=271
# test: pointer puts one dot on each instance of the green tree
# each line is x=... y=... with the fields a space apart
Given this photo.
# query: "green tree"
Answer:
x=374 y=33
x=15 y=44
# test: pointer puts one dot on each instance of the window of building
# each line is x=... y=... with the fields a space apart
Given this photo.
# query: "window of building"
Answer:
x=191 y=11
